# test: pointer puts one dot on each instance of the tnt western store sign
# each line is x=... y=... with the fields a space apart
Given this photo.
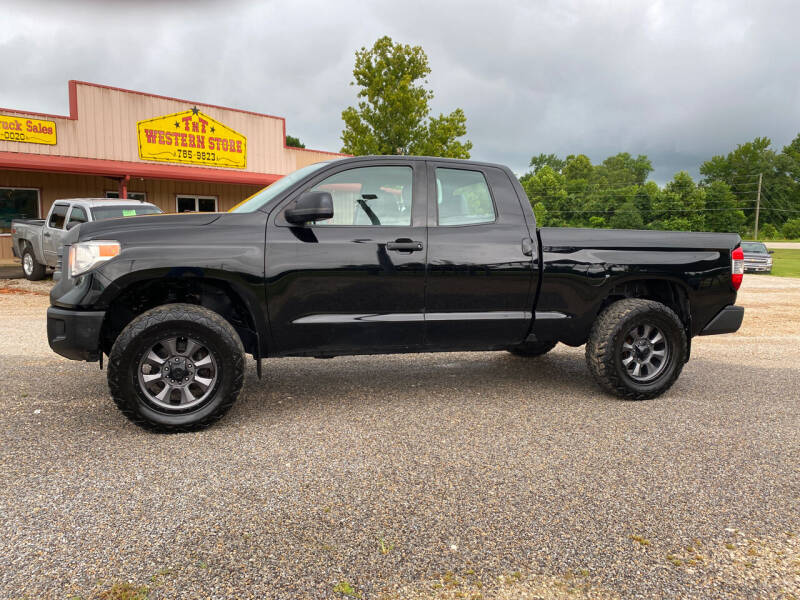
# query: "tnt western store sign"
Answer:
x=181 y=155
x=194 y=138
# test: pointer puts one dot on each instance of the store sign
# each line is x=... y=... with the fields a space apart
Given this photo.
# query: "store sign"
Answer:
x=31 y=131
x=191 y=137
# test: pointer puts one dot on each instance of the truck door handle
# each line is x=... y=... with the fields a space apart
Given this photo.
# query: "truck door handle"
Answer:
x=404 y=245
x=527 y=246
x=46 y=235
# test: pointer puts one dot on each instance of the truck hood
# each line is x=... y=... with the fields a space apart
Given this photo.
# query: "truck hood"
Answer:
x=171 y=224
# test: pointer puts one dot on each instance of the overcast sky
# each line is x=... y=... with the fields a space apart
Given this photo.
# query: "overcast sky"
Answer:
x=676 y=80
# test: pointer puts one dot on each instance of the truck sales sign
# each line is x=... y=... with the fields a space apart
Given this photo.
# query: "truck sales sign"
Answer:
x=191 y=137
x=31 y=131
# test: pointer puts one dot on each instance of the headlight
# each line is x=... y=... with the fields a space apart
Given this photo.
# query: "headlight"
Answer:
x=86 y=255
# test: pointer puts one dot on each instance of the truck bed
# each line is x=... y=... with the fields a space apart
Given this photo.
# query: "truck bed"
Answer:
x=582 y=267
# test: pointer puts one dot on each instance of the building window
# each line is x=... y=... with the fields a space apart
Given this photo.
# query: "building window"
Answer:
x=139 y=196
x=17 y=203
x=196 y=204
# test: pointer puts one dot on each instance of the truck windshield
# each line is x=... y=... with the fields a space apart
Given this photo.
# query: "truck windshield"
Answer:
x=101 y=213
x=260 y=198
x=754 y=247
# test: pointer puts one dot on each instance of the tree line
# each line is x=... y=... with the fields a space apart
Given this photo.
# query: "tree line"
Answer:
x=573 y=192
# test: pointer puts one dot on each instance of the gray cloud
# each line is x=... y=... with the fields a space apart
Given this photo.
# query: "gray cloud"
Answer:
x=678 y=81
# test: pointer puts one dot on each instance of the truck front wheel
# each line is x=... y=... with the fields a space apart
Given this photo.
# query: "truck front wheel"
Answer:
x=34 y=271
x=636 y=349
x=177 y=367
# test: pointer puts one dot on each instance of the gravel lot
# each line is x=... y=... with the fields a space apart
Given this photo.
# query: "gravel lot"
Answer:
x=424 y=476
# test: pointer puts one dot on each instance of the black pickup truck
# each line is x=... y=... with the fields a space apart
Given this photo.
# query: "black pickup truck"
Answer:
x=374 y=255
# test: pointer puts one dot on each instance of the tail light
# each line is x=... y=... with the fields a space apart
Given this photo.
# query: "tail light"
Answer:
x=737 y=267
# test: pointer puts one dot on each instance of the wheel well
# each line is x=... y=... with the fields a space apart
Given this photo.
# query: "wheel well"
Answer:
x=668 y=293
x=215 y=295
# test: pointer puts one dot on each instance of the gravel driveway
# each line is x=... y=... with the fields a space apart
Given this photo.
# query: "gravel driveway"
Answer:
x=422 y=476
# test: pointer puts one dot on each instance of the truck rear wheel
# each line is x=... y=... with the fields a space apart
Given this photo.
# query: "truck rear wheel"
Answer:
x=636 y=349
x=177 y=367
x=528 y=349
x=33 y=270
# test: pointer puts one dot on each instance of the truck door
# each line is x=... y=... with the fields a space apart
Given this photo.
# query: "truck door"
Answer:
x=479 y=291
x=53 y=232
x=356 y=282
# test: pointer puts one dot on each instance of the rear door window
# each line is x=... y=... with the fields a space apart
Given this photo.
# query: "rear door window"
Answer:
x=463 y=198
x=58 y=216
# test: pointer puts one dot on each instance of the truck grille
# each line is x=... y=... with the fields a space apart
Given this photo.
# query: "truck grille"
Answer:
x=59 y=264
x=757 y=263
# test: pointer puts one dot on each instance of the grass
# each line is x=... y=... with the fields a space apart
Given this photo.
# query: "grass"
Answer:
x=786 y=263
x=125 y=591
x=346 y=589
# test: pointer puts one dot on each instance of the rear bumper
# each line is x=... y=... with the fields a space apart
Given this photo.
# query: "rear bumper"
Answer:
x=728 y=320
x=75 y=334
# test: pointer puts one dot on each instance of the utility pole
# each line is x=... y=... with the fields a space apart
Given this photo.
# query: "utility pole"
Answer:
x=758 y=204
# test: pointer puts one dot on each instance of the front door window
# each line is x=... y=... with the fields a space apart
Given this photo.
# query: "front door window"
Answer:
x=371 y=196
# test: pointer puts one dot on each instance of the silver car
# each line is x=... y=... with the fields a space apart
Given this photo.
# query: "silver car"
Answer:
x=36 y=241
x=757 y=258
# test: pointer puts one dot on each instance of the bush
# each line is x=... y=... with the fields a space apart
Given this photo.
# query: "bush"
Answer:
x=768 y=232
x=597 y=222
x=791 y=229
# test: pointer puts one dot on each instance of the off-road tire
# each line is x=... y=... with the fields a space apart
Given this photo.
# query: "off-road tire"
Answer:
x=529 y=349
x=175 y=319
x=603 y=350
x=37 y=270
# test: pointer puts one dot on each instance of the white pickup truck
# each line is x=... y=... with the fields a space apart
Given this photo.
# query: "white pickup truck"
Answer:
x=36 y=241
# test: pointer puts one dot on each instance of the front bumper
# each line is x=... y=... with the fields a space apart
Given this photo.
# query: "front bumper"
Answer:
x=757 y=268
x=75 y=334
x=728 y=320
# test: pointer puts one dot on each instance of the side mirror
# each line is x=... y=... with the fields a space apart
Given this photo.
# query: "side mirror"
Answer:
x=310 y=206
x=770 y=251
x=72 y=224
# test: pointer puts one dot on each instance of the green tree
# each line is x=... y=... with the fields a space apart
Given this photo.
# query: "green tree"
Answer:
x=578 y=169
x=540 y=212
x=550 y=160
x=681 y=205
x=791 y=229
x=294 y=142
x=393 y=112
x=627 y=216
x=768 y=232
x=722 y=213
x=546 y=187
x=623 y=169
x=740 y=170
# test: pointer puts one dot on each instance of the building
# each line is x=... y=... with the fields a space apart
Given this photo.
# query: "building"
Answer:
x=178 y=154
